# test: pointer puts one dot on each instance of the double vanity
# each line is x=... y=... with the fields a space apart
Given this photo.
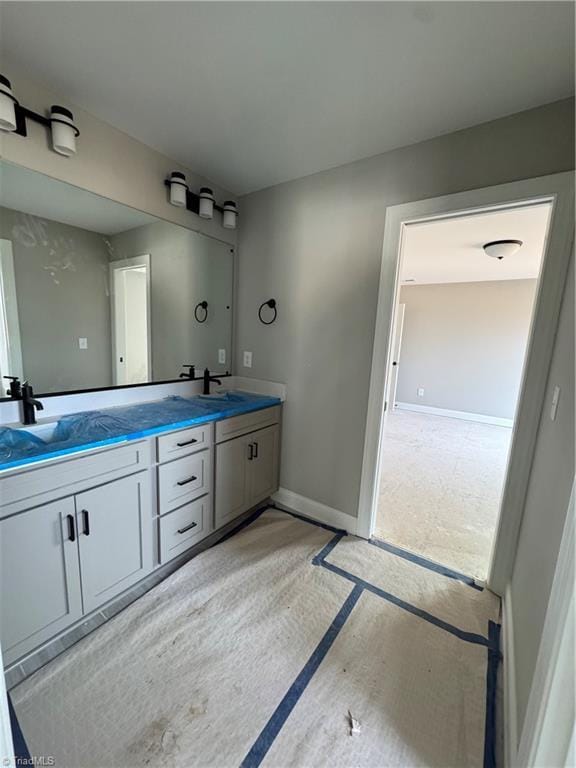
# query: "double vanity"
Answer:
x=94 y=503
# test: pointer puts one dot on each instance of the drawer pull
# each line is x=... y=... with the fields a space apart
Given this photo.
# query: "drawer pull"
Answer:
x=71 y=529
x=188 y=527
x=255 y=450
x=251 y=451
x=187 y=442
x=189 y=480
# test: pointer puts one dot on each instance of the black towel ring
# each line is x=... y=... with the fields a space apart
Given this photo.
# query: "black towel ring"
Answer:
x=272 y=304
x=201 y=305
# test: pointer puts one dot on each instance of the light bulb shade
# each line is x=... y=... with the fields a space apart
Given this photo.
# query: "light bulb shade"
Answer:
x=7 y=105
x=230 y=214
x=498 y=249
x=206 y=203
x=178 y=189
x=64 y=132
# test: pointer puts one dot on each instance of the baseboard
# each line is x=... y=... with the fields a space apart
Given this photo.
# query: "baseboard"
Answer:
x=509 y=681
x=496 y=420
x=315 y=510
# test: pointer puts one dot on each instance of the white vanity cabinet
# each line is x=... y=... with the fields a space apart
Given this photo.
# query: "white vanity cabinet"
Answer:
x=247 y=465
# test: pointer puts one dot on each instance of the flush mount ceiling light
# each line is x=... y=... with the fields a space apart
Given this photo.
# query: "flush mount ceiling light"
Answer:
x=201 y=204
x=13 y=117
x=497 y=249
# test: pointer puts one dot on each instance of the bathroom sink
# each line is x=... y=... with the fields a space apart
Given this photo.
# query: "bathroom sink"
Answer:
x=45 y=432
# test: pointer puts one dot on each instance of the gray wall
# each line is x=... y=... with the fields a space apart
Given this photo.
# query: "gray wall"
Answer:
x=315 y=245
x=464 y=343
x=61 y=277
x=545 y=508
x=185 y=268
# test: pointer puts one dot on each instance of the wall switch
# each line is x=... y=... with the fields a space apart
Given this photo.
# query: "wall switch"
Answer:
x=420 y=391
x=83 y=343
x=247 y=359
x=222 y=356
x=554 y=406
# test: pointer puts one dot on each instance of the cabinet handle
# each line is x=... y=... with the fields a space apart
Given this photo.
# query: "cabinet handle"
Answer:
x=187 y=442
x=255 y=450
x=188 y=527
x=86 y=522
x=71 y=528
x=251 y=451
x=189 y=480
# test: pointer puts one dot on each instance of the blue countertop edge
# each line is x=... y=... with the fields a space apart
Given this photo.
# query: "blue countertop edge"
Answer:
x=225 y=413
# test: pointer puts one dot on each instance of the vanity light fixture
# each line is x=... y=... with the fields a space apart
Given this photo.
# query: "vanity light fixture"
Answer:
x=201 y=204
x=206 y=203
x=497 y=249
x=13 y=117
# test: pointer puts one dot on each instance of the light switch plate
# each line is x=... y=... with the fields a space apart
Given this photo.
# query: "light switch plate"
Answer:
x=247 y=359
x=420 y=391
x=83 y=343
x=222 y=356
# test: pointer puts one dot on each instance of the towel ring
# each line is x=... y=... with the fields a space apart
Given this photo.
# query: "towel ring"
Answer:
x=201 y=305
x=272 y=304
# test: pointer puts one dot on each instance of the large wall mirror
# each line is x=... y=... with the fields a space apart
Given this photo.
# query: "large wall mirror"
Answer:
x=96 y=294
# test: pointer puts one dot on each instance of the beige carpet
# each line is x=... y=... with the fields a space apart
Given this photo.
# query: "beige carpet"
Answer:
x=251 y=654
x=440 y=488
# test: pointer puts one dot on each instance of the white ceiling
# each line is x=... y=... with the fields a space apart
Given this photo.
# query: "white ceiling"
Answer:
x=251 y=94
x=31 y=192
x=450 y=250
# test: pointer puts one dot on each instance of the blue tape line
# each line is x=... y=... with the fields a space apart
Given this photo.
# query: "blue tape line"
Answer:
x=244 y=524
x=425 y=563
x=491 y=686
x=470 y=637
x=21 y=752
x=283 y=710
x=320 y=557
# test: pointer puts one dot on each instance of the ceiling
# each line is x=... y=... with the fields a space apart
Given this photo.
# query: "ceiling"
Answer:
x=450 y=250
x=31 y=192
x=250 y=94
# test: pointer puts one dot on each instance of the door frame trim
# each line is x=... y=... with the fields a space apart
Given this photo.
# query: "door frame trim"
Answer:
x=557 y=189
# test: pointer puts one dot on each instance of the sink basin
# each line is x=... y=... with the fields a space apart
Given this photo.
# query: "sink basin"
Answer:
x=45 y=432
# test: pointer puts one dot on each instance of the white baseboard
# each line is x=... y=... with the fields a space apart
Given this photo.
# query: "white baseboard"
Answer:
x=509 y=682
x=496 y=420
x=315 y=510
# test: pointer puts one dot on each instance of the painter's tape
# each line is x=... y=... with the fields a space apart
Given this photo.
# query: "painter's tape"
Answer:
x=425 y=563
x=283 y=710
x=491 y=685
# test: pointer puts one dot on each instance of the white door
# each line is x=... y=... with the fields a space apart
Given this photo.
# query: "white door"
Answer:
x=396 y=348
x=130 y=283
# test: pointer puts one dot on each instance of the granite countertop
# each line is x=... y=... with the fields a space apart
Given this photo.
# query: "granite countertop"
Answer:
x=95 y=429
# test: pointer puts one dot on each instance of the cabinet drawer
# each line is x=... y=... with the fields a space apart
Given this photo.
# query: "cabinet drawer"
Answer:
x=182 y=443
x=247 y=422
x=181 y=529
x=183 y=480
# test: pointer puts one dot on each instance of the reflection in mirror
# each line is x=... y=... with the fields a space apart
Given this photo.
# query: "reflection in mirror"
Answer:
x=97 y=294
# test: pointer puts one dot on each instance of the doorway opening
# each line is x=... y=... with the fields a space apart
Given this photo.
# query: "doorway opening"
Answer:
x=519 y=390
x=461 y=328
x=130 y=295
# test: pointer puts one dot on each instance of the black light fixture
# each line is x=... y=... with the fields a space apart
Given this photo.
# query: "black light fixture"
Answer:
x=201 y=204
x=13 y=117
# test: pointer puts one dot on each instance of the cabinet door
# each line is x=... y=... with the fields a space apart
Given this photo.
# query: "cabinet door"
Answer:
x=39 y=577
x=231 y=484
x=115 y=537
x=263 y=464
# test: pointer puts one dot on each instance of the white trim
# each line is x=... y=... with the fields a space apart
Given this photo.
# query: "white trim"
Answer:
x=557 y=189
x=120 y=266
x=464 y=415
x=510 y=719
x=548 y=725
x=294 y=502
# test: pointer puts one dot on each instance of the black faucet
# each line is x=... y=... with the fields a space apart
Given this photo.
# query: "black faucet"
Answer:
x=29 y=404
x=15 y=388
x=207 y=380
x=191 y=374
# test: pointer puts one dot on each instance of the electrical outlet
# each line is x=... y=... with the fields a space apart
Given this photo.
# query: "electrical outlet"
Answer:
x=247 y=359
x=420 y=391
x=222 y=356
x=83 y=343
